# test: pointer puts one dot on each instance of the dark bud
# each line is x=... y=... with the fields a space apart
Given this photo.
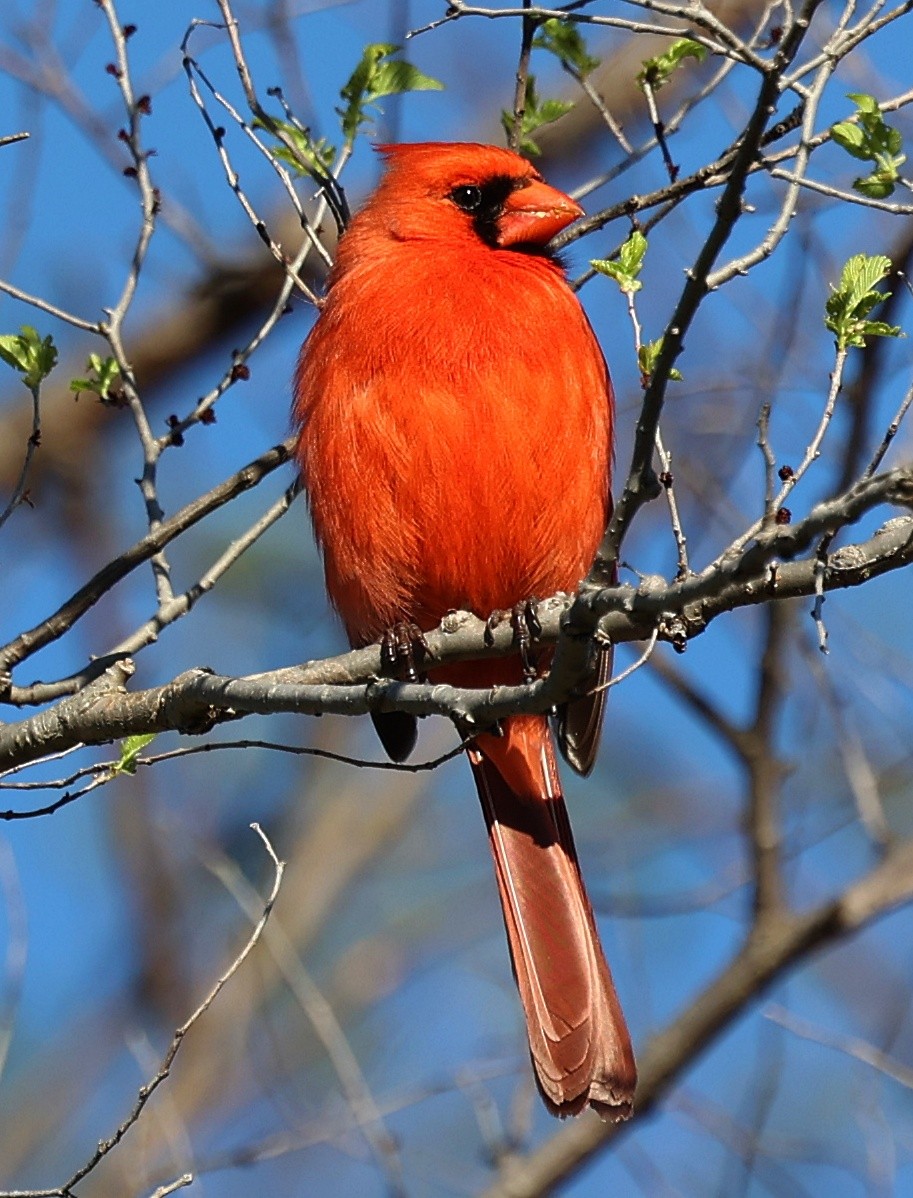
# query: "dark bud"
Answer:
x=128 y=31
x=156 y=201
x=240 y=372
x=208 y=417
x=177 y=437
x=785 y=473
x=123 y=135
x=219 y=132
x=26 y=498
x=783 y=516
x=287 y=310
x=116 y=397
x=113 y=70
x=35 y=438
x=144 y=105
x=666 y=479
x=130 y=172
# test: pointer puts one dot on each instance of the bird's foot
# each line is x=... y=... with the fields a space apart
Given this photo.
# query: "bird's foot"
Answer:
x=527 y=629
x=403 y=650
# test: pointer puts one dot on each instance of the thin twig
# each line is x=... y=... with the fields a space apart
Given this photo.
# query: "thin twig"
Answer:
x=19 y=494
x=365 y=1111
x=148 y=1089
x=52 y=628
x=851 y=1046
x=528 y=27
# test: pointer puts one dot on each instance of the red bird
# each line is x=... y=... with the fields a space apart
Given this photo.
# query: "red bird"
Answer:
x=455 y=417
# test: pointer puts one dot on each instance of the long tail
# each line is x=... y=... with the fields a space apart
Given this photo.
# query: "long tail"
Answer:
x=578 y=1038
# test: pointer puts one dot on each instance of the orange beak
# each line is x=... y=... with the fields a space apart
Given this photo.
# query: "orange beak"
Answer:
x=534 y=214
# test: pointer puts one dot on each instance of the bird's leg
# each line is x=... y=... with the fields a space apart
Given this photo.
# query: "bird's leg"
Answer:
x=403 y=649
x=496 y=618
x=526 y=628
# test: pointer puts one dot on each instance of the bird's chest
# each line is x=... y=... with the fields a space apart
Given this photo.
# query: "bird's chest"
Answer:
x=454 y=449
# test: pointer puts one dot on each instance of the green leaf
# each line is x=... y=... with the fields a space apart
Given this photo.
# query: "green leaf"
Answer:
x=656 y=72
x=626 y=269
x=633 y=252
x=374 y=78
x=130 y=749
x=851 y=301
x=563 y=39
x=310 y=155
x=870 y=138
x=537 y=112
x=877 y=186
x=865 y=103
x=851 y=138
x=648 y=356
x=397 y=77
x=33 y=356
x=102 y=378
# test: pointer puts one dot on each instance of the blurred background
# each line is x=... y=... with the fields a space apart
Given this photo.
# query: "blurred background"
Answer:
x=386 y=974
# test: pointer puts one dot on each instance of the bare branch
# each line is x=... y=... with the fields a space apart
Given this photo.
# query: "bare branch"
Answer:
x=765 y=957
x=148 y=1089
x=195 y=701
x=79 y=603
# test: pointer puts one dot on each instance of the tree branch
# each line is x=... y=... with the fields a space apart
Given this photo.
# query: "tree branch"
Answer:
x=194 y=702
x=763 y=958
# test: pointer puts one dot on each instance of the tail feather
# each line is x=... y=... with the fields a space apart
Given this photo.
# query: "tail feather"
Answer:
x=578 y=1039
x=579 y=723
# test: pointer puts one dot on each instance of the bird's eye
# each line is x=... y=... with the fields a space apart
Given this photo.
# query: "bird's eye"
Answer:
x=468 y=198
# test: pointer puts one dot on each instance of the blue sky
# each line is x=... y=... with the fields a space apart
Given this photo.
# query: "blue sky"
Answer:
x=416 y=930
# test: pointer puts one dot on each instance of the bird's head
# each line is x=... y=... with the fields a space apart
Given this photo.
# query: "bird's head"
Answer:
x=456 y=193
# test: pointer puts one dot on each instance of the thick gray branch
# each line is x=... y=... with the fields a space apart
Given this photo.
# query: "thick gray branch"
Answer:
x=350 y=685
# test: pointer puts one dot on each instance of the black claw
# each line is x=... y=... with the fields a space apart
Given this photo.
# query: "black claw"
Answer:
x=527 y=630
x=531 y=617
x=496 y=618
x=403 y=650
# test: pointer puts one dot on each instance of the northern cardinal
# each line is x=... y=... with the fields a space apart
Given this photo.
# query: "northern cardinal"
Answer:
x=455 y=417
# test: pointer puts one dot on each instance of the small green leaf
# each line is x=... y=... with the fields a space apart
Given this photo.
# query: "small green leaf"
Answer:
x=648 y=356
x=851 y=301
x=626 y=269
x=397 y=77
x=877 y=186
x=869 y=138
x=656 y=72
x=102 y=377
x=563 y=39
x=310 y=155
x=130 y=749
x=33 y=356
x=851 y=138
x=374 y=78
x=865 y=103
x=633 y=252
x=537 y=112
